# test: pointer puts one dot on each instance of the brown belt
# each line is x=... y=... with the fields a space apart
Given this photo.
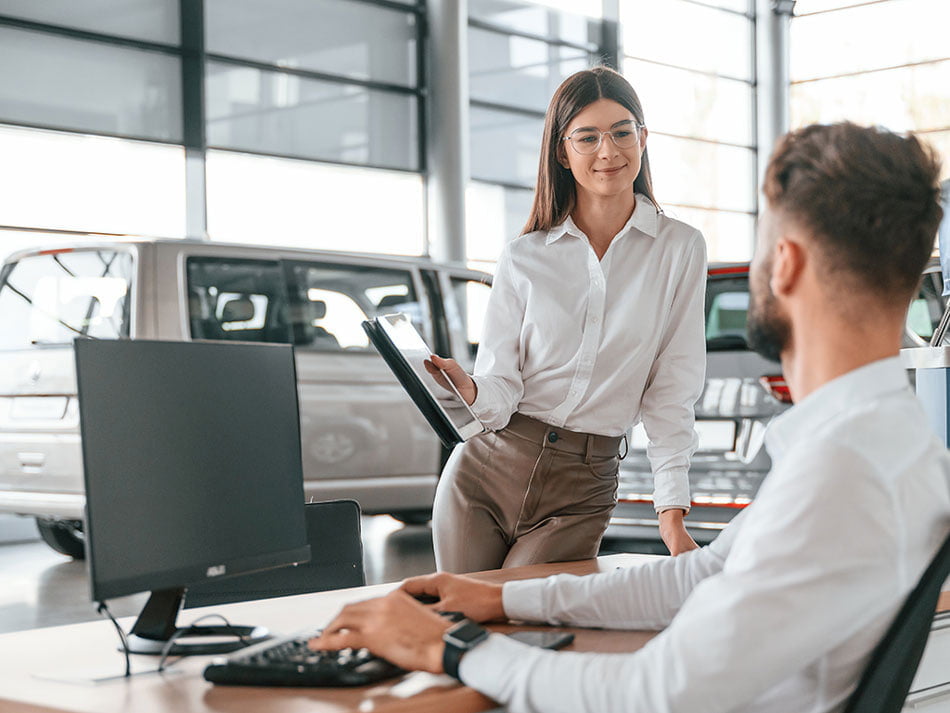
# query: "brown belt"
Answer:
x=548 y=436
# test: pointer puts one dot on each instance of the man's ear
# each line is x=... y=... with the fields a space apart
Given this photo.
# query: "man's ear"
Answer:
x=788 y=265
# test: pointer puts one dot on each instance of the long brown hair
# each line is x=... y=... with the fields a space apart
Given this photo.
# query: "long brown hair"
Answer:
x=555 y=194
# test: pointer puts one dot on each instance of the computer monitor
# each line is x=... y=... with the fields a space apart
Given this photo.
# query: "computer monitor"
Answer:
x=192 y=466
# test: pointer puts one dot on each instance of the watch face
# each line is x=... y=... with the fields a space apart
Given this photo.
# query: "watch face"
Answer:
x=465 y=633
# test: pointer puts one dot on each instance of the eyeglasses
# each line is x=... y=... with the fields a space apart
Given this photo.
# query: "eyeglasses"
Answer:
x=587 y=141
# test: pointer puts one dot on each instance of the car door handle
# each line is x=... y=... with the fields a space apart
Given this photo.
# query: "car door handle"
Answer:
x=31 y=462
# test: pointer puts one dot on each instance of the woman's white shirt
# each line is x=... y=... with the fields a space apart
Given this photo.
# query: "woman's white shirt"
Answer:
x=596 y=346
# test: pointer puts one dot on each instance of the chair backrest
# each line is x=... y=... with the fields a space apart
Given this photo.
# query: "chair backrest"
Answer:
x=887 y=678
x=336 y=562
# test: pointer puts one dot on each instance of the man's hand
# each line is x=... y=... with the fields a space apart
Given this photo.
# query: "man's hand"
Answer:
x=674 y=534
x=477 y=600
x=462 y=381
x=396 y=627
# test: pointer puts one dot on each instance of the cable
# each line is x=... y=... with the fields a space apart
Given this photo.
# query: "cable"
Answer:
x=125 y=642
x=166 y=649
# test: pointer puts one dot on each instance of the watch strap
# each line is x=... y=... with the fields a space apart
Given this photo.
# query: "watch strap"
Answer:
x=451 y=658
x=455 y=648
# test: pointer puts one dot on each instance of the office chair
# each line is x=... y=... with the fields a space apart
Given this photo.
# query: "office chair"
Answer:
x=887 y=678
x=336 y=562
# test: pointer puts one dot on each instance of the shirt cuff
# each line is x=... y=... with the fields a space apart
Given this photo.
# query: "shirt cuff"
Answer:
x=671 y=490
x=485 y=404
x=487 y=667
x=482 y=405
x=664 y=508
x=521 y=599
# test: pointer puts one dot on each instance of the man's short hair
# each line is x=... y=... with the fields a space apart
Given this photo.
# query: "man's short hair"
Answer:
x=870 y=198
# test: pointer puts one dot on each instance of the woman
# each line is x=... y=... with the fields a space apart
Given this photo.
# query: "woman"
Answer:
x=595 y=321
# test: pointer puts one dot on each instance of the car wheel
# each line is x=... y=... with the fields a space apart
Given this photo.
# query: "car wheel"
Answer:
x=412 y=517
x=333 y=446
x=64 y=536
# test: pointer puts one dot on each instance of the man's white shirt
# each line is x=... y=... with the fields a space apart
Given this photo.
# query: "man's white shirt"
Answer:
x=782 y=610
x=597 y=345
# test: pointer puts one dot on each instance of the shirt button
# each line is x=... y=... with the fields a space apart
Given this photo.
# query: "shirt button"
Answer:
x=552 y=437
x=595 y=320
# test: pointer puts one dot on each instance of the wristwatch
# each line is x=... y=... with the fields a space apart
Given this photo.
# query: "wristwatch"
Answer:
x=463 y=636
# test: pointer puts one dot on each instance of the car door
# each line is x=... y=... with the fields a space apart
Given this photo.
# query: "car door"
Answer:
x=356 y=420
x=465 y=299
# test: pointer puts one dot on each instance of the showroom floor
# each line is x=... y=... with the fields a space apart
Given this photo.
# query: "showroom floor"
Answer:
x=42 y=588
x=39 y=587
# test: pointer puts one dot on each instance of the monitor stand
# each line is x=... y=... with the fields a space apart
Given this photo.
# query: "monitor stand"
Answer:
x=156 y=625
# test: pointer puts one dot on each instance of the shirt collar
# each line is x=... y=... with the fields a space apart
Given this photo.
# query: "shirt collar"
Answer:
x=860 y=386
x=643 y=218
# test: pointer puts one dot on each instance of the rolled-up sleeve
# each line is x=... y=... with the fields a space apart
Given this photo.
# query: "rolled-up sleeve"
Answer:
x=497 y=372
x=676 y=382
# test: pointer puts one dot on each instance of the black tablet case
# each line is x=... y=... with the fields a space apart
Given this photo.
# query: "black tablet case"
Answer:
x=420 y=396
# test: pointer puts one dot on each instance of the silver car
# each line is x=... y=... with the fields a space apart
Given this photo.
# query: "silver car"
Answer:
x=362 y=438
x=743 y=392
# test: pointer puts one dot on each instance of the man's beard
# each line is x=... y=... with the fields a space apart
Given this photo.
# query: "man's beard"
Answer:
x=769 y=332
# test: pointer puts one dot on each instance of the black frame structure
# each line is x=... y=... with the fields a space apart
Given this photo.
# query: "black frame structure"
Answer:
x=192 y=54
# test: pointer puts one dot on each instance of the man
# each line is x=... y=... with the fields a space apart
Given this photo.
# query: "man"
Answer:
x=782 y=611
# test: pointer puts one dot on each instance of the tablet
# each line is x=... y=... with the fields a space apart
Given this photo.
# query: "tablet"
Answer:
x=405 y=351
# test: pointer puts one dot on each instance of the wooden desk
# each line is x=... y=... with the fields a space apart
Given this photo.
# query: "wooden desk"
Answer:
x=68 y=650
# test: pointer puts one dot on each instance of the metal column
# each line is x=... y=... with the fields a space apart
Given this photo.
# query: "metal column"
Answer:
x=772 y=76
x=193 y=117
x=448 y=132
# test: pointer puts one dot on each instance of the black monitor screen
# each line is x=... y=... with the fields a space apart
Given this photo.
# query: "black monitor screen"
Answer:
x=192 y=462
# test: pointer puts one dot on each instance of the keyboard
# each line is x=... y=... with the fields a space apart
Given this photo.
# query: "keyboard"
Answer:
x=288 y=662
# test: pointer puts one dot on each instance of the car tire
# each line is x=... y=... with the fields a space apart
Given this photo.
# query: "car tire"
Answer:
x=64 y=536
x=412 y=517
x=336 y=445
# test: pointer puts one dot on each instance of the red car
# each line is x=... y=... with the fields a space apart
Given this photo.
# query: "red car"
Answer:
x=743 y=393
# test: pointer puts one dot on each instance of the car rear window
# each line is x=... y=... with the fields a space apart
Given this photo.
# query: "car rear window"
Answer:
x=727 y=304
x=52 y=298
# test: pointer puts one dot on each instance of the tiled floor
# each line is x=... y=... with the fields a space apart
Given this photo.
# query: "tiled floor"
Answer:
x=39 y=587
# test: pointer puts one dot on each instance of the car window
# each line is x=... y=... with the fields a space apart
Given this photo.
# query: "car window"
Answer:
x=234 y=299
x=727 y=304
x=927 y=308
x=328 y=303
x=471 y=296
x=54 y=297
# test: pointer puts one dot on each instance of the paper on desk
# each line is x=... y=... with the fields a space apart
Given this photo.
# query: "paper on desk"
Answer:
x=418 y=682
x=107 y=673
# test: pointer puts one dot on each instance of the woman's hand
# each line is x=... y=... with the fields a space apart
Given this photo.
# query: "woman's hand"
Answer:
x=477 y=600
x=463 y=382
x=674 y=534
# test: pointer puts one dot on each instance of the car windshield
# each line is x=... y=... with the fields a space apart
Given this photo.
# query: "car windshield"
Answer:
x=53 y=297
x=727 y=302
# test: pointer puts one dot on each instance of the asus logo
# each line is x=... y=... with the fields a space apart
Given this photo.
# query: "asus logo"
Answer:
x=216 y=571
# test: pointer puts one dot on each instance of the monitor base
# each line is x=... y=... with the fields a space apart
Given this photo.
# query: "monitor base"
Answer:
x=156 y=626
x=245 y=636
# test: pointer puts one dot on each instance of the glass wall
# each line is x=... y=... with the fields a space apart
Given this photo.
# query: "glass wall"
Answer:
x=518 y=54
x=93 y=117
x=312 y=108
x=278 y=201
x=693 y=67
x=894 y=72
